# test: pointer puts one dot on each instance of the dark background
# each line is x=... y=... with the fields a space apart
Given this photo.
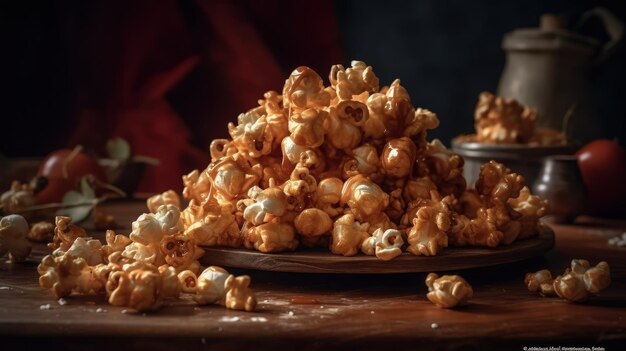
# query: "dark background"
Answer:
x=59 y=59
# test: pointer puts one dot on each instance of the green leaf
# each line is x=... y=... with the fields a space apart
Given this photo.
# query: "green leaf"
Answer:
x=86 y=189
x=118 y=149
x=78 y=206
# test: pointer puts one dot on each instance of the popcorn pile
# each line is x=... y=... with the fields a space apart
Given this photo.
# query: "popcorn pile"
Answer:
x=506 y=121
x=348 y=167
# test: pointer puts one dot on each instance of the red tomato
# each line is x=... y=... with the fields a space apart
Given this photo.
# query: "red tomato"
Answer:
x=603 y=167
x=61 y=181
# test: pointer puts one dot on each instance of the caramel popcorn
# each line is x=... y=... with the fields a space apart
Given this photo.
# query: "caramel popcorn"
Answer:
x=531 y=208
x=86 y=248
x=238 y=295
x=540 y=281
x=41 y=232
x=355 y=80
x=506 y=121
x=17 y=198
x=273 y=236
x=60 y=274
x=13 y=238
x=114 y=243
x=581 y=281
x=211 y=286
x=169 y=197
x=448 y=291
x=503 y=121
x=385 y=244
x=138 y=286
x=65 y=233
x=181 y=252
x=428 y=235
x=348 y=235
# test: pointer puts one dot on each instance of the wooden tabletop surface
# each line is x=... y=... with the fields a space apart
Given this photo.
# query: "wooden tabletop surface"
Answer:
x=331 y=311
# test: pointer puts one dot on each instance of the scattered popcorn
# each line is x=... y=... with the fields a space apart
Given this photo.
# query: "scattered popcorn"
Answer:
x=577 y=284
x=434 y=325
x=45 y=307
x=13 y=238
x=41 y=232
x=448 y=291
x=619 y=241
x=540 y=281
x=62 y=301
x=581 y=281
x=100 y=310
x=18 y=198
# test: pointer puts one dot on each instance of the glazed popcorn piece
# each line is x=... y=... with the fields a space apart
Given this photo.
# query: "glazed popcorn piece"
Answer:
x=211 y=225
x=498 y=183
x=271 y=201
x=355 y=80
x=342 y=126
x=364 y=197
x=13 y=238
x=313 y=222
x=398 y=157
x=141 y=286
x=307 y=127
x=540 y=281
x=531 y=208
x=305 y=89
x=188 y=281
x=499 y=120
x=238 y=295
x=273 y=236
x=86 y=248
x=385 y=244
x=581 y=281
x=211 y=286
x=65 y=233
x=41 y=232
x=251 y=135
x=428 y=235
x=348 y=235
x=448 y=291
x=181 y=252
x=17 y=198
x=114 y=243
x=60 y=274
x=197 y=186
x=169 y=197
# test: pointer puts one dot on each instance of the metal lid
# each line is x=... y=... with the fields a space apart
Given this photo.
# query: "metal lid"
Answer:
x=551 y=35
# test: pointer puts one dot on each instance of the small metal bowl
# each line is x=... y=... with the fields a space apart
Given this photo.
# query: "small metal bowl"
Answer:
x=520 y=158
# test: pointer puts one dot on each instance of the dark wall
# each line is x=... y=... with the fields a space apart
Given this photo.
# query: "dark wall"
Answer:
x=447 y=52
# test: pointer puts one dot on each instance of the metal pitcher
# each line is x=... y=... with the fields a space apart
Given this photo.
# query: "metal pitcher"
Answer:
x=549 y=68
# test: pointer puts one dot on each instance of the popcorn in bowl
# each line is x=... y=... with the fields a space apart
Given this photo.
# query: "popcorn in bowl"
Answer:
x=336 y=163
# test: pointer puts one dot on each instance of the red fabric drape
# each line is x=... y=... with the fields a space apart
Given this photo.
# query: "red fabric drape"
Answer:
x=168 y=76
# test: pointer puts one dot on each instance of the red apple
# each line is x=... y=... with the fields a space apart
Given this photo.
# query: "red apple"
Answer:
x=603 y=167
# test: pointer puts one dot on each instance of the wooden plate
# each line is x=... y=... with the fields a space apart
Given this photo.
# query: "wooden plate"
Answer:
x=320 y=261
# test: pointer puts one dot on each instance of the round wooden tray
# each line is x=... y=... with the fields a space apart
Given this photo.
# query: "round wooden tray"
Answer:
x=321 y=261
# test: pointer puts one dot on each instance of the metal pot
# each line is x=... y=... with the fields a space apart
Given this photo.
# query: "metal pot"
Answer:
x=520 y=158
x=549 y=69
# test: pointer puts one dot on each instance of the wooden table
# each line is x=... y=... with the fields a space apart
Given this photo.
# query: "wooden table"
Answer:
x=306 y=311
